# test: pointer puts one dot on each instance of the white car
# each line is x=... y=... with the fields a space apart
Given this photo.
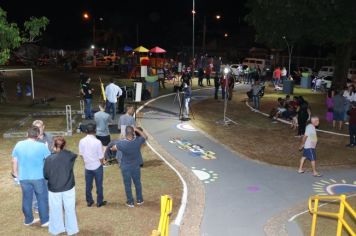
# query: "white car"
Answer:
x=326 y=71
x=236 y=69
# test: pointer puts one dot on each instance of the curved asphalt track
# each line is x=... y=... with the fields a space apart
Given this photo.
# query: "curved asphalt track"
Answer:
x=246 y=194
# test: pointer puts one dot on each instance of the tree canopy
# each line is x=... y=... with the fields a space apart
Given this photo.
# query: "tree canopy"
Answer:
x=317 y=21
x=10 y=36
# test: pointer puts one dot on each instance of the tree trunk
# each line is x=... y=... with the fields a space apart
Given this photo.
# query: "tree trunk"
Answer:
x=342 y=64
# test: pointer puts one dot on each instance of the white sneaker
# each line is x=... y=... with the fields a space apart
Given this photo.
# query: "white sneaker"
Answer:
x=45 y=224
x=33 y=222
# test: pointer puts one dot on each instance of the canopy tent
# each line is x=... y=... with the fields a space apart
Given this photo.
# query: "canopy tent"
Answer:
x=141 y=49
x=157 y=50
x=128 y=49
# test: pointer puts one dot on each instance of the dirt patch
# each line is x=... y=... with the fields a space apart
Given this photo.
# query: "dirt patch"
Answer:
x=256 y=137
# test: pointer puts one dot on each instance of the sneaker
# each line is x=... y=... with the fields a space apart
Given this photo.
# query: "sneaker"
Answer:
x=140 y=202
x=130 y=204
x=102 y=204
x=45 y=224
x=89 y=204
x=35 y=210
x=33 y=222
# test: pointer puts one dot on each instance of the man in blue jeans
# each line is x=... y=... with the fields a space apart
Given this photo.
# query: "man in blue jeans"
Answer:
x=27 y=165
x=131 y=161
x=91 y=150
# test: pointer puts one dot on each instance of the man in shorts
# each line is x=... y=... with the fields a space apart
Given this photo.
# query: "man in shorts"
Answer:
x=102 y=120
x=308 y=146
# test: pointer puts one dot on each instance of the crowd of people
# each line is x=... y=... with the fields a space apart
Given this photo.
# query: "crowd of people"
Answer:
x=43 y=167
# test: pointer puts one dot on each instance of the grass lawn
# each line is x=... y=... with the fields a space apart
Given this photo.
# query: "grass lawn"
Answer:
x=113 y=219
x=327 y=226
x=257 y=138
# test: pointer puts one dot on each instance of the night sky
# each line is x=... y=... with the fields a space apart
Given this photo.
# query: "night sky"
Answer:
x=164 y=23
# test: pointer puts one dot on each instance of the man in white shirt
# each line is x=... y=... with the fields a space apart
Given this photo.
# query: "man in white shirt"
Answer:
x=308 y=146
x=112 y=92
x=91 y=150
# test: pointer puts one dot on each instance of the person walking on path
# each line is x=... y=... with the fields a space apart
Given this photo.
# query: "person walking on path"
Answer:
x=348 y=94
x=87 y=93
x=58 y=170
x=91 y=150
x=329 y=106
x=127 y=120
x=27 y=166
x=308 y=146
x=187 y=96
x=200 y=76
x=208 y=71
x=161 y=78
x=352 y=125
x=338 y=110
x=256 y=89
x=102 y=120
x=112 y=92
x=130 y=162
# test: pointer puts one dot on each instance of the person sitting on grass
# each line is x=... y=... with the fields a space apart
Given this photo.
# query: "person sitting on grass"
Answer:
x=308 y=146
x=352 y=125
x=277 y=112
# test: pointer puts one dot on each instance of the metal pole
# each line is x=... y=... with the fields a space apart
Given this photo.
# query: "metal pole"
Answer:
x=193 y=36
x=32 y=85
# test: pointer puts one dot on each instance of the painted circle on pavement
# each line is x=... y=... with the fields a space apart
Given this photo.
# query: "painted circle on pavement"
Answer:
x=333 y=187
x=186 y=127
x=205 y=175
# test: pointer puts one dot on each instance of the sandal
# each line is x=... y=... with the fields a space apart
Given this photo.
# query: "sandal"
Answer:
x=301 y=172
x=318 y=175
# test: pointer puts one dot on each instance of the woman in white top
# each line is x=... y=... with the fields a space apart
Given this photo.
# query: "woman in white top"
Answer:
x=349 y=95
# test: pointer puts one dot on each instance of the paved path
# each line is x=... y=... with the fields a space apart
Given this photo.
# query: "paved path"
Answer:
x=241 y=195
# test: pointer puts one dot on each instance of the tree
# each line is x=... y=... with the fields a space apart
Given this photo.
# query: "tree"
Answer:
x=9 y=37
x=34 y=28
x=318 y=21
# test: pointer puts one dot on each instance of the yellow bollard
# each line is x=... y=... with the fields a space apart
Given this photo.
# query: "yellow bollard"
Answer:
x=340 y=215
x=315 y=214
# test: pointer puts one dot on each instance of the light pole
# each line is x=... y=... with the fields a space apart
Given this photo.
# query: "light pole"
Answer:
x=86 y=16
x=193 y=36
x=290 y=51
x=217 y=17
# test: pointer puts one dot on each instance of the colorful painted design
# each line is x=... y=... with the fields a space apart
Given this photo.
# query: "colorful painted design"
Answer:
x=195 y=150
x=205 y=175
x=333 y=187
x=186 y=127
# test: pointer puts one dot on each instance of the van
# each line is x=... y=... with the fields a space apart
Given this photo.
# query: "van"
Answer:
x=329 y=71
x=326 y=71
x=256 y=62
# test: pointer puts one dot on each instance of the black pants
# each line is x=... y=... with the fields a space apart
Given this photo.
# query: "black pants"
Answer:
x=208 y=80
x=301 y=127
x=121 y=104
x=200 y=81
x=352 y=130
x=216 y=92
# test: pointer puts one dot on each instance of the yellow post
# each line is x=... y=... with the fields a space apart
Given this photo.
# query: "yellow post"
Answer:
x=102 y=90
x=315 y=214
x=341 y=215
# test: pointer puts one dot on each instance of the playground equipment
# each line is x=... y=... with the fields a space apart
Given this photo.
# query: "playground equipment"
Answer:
x=166 y=212
x=340 y=216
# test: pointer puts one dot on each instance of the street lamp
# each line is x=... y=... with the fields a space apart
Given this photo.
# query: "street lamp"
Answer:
x=218 y=17
x=290 y=51
x=193 y=35
x=226 y=35
x=86 y=16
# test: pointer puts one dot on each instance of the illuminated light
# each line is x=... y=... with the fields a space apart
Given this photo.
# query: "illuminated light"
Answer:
x=226 y=35
x=194 y=12
x=102 y=49
x=218 y=17
x=92 y=47
x=86 y=16
x=226 y=70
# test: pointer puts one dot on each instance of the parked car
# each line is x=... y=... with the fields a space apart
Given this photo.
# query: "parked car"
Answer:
x=327 y=81
x=326 y=71
x=236 y=69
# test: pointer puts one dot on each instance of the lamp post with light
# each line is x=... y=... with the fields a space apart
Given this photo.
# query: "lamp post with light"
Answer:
x=290 y=51
x=87 y=17
x=217 y=17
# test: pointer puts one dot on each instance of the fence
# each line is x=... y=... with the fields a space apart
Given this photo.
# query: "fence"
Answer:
x=340 y=216
x=166 y=212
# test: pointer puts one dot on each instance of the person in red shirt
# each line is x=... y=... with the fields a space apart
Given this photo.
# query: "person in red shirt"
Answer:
x=352 y=125
x=277 y=76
